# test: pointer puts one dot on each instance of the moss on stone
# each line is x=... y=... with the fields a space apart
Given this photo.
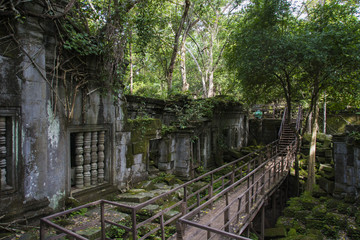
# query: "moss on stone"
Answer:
x=143 y=128
x=335 y=219
x=275 y=232
x=292 y=232
x=284 y=222
x=319 y=211
x=129 y=156
x=353 y=231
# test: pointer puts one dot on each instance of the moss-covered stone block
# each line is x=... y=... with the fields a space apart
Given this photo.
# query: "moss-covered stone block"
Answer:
x=286 y=222
x=343 y=207
x=319 y=211
x=275 y=232
x=136 y=198
x=91 y=233
x=353 y=231
x=319 y=192
x=129 y=156
x=330 y=232
x=140 y=147
x=326 y=184
x=302 y=214
x=327 y=143
x=314 y=234
x=314 y=223
x=292 y=232
x=335 y=219
x=357 y=217
x=170 y=214
x=148 y=185
x=144 y=128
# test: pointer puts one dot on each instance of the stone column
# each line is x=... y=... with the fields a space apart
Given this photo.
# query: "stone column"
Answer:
x=101 y=156
x=94 y=158
x=3 y=182
x=87 y=159
x=79 y=160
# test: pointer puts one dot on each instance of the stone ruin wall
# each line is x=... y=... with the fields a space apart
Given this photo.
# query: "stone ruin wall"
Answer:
x=347 y=163
x=46 y=156
x=181 y=151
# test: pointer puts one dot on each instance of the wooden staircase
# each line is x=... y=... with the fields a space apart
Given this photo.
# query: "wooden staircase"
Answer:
x=287 y=134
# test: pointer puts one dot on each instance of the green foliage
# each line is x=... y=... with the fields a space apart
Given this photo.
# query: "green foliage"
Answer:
x=193 y=111
x=275 y=55
x=355 y=135
x=115 y=233
x=80 y=212
x=167 y=129
x=81 y=42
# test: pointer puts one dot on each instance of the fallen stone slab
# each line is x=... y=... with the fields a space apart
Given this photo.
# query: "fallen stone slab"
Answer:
x=135 y=198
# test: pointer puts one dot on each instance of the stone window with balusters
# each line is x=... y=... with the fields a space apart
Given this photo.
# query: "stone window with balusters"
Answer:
x=87 y=158
x=8 y=149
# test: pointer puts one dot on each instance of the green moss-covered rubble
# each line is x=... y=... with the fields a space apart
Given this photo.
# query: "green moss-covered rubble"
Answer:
x=309 y=217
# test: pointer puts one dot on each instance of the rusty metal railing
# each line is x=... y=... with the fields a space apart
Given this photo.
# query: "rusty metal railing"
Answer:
x=190 y=200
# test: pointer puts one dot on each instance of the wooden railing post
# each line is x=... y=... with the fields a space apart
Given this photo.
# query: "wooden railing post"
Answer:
x=184 y=202
x=252 y=188
x=208 y=232
x=282 y=164
x=198 y=202
x=232 y=177
x=263 y=222
x=226 y=213
x=179 y=230
x=238 y=211
x=102 y=219
x=248 y=195
x=256 y=190
x=211 y=188
x=42 y=230
x=162 y=227
x=134 y=227
x=275 y=171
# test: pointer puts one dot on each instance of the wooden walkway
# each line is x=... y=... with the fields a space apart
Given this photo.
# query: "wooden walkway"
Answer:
x=222 y=208
x=230 y=212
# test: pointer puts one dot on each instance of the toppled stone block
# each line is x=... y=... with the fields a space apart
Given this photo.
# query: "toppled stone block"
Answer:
x=136 y=198
x=327 y=185
x=136 y=190
x=170 y=214
x=147 y=185
x=326 y=168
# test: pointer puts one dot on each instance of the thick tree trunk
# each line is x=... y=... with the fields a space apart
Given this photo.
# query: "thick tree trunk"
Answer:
x=170 y=70
x=312 y=154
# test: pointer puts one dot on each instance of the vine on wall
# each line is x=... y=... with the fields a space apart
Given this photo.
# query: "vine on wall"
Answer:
x=85 y=59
